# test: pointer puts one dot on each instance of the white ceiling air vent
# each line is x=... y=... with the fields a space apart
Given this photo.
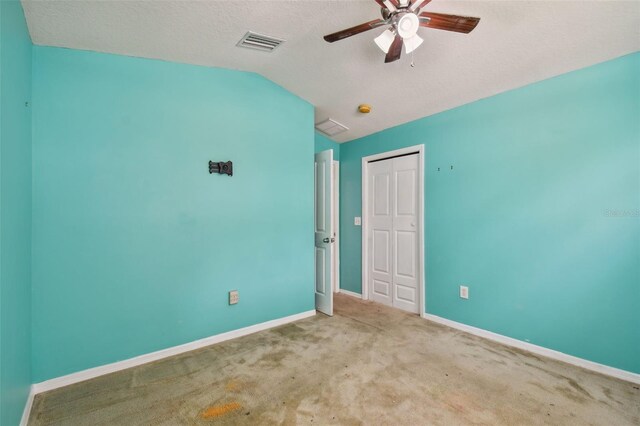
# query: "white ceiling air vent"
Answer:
x=331 y=127
x=257 y=41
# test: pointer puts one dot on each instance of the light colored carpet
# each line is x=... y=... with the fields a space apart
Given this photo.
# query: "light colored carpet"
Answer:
x=366 y=365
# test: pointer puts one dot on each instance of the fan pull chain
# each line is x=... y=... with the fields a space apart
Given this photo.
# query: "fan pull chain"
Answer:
x=412 y=63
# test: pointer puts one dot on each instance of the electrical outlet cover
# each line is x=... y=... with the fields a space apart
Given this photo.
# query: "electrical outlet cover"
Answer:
x=464 y=292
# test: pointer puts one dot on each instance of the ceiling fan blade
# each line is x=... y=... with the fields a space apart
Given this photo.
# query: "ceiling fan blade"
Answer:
x=395 y=50
x=354 y=30
x=442 y=21
x=418 y=4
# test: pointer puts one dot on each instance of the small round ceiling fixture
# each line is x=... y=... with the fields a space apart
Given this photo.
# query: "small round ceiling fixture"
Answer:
x=364 y=108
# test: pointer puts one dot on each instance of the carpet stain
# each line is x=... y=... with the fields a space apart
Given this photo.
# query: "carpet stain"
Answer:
x=232 y=386
x=577 y=387
x=220 y=410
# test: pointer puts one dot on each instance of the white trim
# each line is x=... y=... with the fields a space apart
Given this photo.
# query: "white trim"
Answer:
x=336 y=224
x=350 y=293
x=539 y=350
x=164 y=353
x=365 y=194
x=27 y=407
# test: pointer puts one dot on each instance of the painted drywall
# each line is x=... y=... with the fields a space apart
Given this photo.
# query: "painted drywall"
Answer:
x=540 y=215
x=516 y=43
x=135 y=244
x=323 y=143
x=15 y=212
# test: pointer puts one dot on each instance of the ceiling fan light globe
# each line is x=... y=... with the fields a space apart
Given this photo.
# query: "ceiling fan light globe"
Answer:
x=384 y=40
x=408 y=25
x=411 y=44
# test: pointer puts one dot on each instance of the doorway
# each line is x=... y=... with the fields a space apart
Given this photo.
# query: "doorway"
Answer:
x=393 y=228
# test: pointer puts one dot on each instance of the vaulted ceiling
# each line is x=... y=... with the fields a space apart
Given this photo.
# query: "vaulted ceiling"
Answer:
x=516 y=43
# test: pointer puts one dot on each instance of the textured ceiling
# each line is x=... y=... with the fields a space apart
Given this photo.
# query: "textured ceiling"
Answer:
x=516 y=43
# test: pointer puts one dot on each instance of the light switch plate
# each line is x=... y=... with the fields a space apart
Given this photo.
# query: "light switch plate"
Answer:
x=234 y=297
x=357 y=221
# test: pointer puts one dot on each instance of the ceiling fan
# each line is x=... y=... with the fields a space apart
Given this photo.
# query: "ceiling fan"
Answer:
x=405 y=18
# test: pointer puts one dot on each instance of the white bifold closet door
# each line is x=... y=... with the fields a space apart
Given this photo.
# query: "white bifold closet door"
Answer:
x=393 y=232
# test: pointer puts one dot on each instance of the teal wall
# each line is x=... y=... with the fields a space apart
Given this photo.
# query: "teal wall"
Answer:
x=135 y=245
x=323 y=143
x=15 y=212
x=525 y=216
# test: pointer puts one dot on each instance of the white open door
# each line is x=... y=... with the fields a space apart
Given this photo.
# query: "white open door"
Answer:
x=324 y=231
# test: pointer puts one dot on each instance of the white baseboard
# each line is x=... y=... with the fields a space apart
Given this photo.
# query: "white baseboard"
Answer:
x=539 y=350
x=164 y=353
x=350 y=293
x=27 y=407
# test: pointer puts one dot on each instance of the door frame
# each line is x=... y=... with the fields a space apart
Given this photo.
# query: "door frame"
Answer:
x=365 y=198
x=336 y=224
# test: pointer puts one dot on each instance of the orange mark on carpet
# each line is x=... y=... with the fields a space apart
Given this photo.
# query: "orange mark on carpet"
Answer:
x=220 y=410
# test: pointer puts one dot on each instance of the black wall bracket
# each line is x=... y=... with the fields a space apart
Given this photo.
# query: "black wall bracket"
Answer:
x=221 y=167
